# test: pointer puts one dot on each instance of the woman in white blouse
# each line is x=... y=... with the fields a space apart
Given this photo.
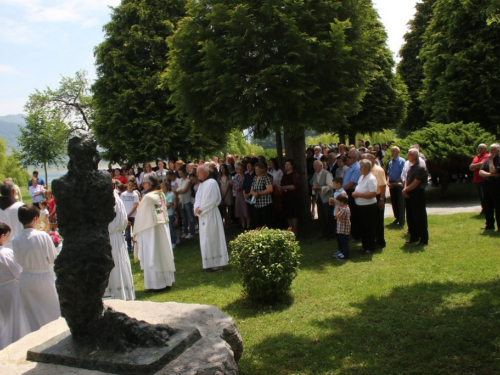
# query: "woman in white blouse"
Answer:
x=275 y=171
x=365 y=197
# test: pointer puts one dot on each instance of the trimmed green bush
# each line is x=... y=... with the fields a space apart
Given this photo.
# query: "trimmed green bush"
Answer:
x=268 y=261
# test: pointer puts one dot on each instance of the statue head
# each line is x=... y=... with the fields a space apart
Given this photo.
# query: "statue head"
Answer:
x=82 y=151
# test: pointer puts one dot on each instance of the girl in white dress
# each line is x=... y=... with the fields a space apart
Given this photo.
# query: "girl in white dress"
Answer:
x=13 y=323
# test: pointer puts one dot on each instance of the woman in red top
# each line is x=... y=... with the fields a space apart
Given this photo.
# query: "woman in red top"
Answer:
x=51 y=205
x=118 y=176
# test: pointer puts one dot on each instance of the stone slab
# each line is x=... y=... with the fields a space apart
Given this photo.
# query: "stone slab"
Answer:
x=214 y=353
x=63 y=350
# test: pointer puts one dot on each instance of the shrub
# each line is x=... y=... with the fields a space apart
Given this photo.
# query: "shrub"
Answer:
x=267 y=260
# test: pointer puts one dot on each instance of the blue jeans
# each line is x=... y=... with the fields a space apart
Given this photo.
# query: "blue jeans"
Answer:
x=127 y=234
x=173 y=233
x=343 y=242
x=188 y=213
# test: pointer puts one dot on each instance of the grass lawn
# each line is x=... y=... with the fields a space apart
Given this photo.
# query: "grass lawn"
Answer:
x=404 y=310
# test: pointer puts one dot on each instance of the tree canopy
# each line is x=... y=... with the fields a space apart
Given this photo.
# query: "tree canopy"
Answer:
x=44 y=139
x=71 y=101
x=10 y=167
x=134 y=121
x=411 y=66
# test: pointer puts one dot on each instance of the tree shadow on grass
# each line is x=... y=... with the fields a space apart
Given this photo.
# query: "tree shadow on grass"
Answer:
x=243 y=308
x=427 y=328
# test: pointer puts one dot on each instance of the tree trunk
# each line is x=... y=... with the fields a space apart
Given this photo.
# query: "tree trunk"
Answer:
x=288 y=145
x=279 y=150
x=296 y=150
x=352 y=138
x=342 y=136
x=46 y=175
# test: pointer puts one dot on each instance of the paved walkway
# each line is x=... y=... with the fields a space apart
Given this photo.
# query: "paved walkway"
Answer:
x=443 y=208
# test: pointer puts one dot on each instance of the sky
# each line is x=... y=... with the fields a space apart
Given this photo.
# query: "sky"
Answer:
x=42 y=40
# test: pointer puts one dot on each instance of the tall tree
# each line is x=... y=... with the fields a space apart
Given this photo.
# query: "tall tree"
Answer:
x=10 y=167
x=411 y=66
x=278 y=64
x=462 y=65
x=384 y=104
x=134 y=121
x=71 y=100
x=44 y=139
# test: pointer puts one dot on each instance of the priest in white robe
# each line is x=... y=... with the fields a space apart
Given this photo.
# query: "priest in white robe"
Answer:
x=153 y=237
x=8 y=209
x=121 y=282
x=13 y=322
x=211 y=229
x=34 y=251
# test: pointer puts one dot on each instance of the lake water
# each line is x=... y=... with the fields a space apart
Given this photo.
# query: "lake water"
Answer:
x=54 y=172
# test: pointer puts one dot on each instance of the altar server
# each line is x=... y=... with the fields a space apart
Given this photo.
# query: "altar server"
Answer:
x=35 y=253
x=13 y=323
x=8 y=209
x=211 y=230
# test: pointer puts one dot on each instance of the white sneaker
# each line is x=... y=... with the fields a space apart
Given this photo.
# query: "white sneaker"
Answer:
x=189 y=236
x=183 y=235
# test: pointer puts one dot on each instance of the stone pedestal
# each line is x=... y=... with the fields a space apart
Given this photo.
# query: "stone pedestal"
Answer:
x=217 y=352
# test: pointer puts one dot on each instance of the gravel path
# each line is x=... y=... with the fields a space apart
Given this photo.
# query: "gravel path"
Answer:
x=443 y=208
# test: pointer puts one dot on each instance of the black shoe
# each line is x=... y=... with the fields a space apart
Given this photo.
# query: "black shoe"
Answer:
x=395 y=222
x=380 y=245
x=411 y=240
x=488 y=228
x=420 y=243
x=212 y=270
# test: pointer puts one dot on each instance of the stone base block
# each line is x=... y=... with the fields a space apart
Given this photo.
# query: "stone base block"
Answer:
x=216 y=352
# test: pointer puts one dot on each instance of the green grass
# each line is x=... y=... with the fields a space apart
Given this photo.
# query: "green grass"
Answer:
x=404 y=310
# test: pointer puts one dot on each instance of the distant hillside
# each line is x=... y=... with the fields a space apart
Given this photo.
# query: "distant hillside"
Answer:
x=9 y=129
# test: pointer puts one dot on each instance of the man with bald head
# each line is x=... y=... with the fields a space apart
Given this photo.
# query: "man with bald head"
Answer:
x=211 y=229
x=395 y=183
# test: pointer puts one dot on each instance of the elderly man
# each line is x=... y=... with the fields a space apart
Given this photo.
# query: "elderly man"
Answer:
x=414 y=192
x=323 y=190
x=211 y=229
x=394 y=171
x=351 y=178
x=18 y=195
x=379 y=174
x=9 y=208
x=153 y=237
x=332 y=163
x=490 y=172
x=475 y=166
x=317 y=153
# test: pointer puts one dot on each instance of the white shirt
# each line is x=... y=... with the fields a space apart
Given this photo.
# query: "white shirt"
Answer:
x=33 y=190
x=407 y=167
x=129 y=201
x=366 y=184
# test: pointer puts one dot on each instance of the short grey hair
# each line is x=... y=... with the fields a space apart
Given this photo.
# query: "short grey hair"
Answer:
x=355 y=153
x=413 y=151
x=482 y=145
x=366 y=163
x=205 y=167
x=396 y=148
x=152 y=179
x=496 y=146
x=318 y=162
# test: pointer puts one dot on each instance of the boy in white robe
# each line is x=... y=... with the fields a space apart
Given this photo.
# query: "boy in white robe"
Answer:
x=121 y=282
x=35 y=253
x=153 y=237
x=211 y=229
x=13 y=323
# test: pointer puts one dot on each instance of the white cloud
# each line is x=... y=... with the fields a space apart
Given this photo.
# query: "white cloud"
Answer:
x=12 y=106
x=8 y=70
x=14 y=32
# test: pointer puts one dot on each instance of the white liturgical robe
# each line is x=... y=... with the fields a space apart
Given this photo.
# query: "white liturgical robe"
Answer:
x=153 y=239
x=121 y=282
x=9 y=217
x=212 y=238
x=35 y=253
x=13 y=322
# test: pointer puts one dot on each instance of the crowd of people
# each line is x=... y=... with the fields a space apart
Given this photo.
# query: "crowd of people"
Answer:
x=159 y=207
